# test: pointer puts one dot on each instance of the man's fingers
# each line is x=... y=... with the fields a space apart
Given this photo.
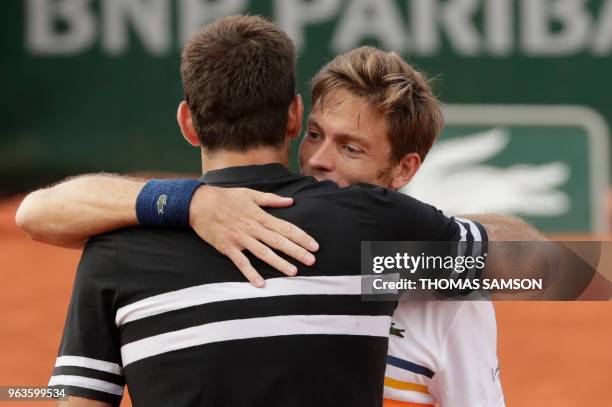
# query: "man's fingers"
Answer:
x=291 y=232
x=270 y=200
x=279 y=242
x=245 y=267
x=267 y=255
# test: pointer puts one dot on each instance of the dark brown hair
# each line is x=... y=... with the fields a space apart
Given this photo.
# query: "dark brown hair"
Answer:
x=238 y=75
x=394 y=89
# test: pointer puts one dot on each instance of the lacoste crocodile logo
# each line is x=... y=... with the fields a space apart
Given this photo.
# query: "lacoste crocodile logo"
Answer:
x=161 y=203
x=396 y=331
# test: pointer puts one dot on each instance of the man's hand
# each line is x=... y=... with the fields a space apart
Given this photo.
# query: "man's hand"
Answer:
x=231 y=220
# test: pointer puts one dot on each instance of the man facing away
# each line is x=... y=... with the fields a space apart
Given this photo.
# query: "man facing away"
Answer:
x=168 y=315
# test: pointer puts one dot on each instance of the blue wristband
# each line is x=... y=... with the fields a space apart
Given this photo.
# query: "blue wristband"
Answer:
x=165 y=202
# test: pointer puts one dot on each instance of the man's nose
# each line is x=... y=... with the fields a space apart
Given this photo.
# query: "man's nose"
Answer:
x=323 y=158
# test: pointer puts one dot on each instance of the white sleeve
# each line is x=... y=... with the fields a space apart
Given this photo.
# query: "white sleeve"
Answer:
x=445 y=353
x=413 y=354
x=468 y=374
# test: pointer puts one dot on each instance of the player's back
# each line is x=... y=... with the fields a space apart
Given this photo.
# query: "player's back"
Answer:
x=188 y=329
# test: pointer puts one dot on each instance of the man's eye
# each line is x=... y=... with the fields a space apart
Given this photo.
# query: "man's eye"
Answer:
x=313 y=136
x=351 y=150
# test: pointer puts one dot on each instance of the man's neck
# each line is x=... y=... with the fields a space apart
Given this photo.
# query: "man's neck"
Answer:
x=224 y=159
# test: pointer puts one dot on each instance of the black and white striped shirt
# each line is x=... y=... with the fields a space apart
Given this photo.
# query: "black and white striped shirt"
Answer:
x=165 y=313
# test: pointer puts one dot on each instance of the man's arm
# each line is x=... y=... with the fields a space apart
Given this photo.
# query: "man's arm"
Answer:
x=518 y=250
x=506 y=228
x=68 y=213
x=229 y=219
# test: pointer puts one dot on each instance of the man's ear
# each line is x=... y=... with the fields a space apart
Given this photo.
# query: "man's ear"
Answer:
x=185 y=122
x=404 y=170
x=294 y=122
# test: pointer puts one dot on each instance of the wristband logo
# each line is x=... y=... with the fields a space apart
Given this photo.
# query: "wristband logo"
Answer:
x=161 y=203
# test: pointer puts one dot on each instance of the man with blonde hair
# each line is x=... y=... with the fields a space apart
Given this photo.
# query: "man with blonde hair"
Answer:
x=374 y=119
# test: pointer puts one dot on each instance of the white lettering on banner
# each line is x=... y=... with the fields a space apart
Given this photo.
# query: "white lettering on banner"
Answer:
x=544 y=28
x=370 y=19
x=293 y=16
x=149 y=18
x=498 y=26
x=42 y=35
x=457 y=19
x=602 y=39
x=539 y=39
x=425 y=33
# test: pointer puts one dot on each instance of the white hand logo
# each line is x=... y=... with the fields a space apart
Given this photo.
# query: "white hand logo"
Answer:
x=454 y=179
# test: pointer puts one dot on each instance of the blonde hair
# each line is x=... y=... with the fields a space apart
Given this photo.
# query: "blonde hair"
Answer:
x=393 y=88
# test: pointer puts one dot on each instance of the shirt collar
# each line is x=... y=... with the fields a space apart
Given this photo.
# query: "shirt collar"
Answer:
x=244 y=174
